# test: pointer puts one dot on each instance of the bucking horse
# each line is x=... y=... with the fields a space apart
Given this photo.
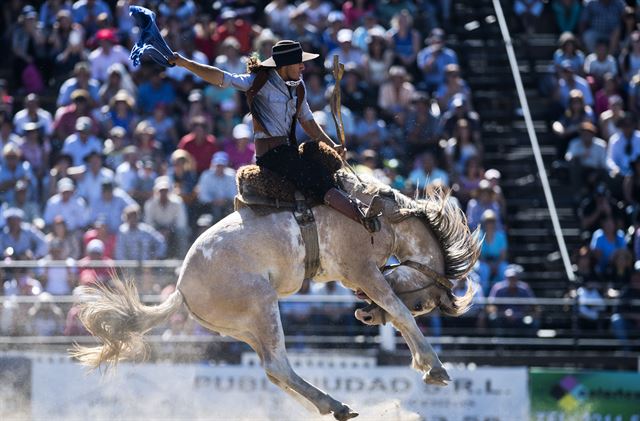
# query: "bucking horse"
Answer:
x=235 y=272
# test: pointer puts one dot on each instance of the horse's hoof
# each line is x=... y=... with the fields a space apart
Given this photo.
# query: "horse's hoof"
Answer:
x=344 y=413
x=437 y=376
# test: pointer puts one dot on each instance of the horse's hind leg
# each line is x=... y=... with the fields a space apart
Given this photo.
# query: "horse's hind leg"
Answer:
x=266 y=337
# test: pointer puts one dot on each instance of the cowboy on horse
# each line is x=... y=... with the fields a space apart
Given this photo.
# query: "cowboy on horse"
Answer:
x=276 y=96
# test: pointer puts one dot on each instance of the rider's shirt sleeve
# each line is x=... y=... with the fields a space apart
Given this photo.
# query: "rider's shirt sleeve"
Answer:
x=241 y=82
x=305 y=112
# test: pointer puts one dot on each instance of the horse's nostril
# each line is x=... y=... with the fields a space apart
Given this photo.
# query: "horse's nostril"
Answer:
x=367 y=318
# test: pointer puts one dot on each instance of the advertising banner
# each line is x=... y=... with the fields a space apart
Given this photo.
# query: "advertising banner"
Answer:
x=584 y=395
x=62 y=390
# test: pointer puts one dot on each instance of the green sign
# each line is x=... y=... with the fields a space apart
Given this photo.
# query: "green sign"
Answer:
x=566 y=395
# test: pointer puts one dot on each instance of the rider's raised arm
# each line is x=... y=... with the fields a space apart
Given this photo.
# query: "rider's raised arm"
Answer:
x=213 y=75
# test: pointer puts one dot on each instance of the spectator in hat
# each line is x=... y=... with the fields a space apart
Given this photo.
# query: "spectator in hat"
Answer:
x=396 y=94
x=624 y=147
x=517 y=318
x=302 y=30
x=23 y=200
x=69 y=241
x=33 y=113
x=229 y=57
x=114 y=147
x=568 y=52
x=166 y=212
x=453 y=87
x=217 y=187
x=66 y=118
x=587 y=156
x=198 y=107
x=144 y=138
x=82 y=143
x=118 y=79
x=460 y=109
x=110 y=204
x=81 y=80
x=20 y=239
x=434 y=58
x=404 y=40
x=200 y=144
x=568 y=81
x=91 y=179
x=95 y=267
x=347 y=54
x=156 y=90
x=461 y=147
x=493 y=255
x=329 y=36
x=378 y=57
x=136 y=240
x=240 y=149
x=13 y=170
x=596 y=205
x=100 y=230
x=121 y=112
x=182 y=176
x=49 y=11
x=567 y=127
x=35 y=149
x=278 y=13
x=485 y=200
x=71 y=208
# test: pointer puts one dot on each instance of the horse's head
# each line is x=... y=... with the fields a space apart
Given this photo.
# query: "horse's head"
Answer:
x=420 y=293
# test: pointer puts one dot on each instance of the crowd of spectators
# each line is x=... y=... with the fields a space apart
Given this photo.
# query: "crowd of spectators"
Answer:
x=101 y=161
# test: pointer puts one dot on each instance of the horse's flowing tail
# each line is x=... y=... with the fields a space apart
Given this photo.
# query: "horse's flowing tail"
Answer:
x=118 y=318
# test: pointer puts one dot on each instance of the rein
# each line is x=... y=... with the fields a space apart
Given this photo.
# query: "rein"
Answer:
x=425 y=270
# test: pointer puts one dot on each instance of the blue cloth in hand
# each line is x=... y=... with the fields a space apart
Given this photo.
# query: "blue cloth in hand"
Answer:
x=150 y=42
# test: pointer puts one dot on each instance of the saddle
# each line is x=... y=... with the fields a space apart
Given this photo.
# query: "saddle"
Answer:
x=260 y=188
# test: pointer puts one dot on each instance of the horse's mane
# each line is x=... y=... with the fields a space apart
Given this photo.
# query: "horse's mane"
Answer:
x=460 y=247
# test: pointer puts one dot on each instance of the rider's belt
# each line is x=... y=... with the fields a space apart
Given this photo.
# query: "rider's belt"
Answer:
x=265 y=144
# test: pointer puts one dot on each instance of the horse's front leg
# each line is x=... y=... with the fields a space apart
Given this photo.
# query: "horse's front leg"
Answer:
x=424 y=357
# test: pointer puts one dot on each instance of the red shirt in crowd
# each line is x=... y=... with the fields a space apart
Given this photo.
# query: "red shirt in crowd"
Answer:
x=201 y=151
x=242 y=33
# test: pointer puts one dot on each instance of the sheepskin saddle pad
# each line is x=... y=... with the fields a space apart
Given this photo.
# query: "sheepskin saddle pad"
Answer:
x=260 y=186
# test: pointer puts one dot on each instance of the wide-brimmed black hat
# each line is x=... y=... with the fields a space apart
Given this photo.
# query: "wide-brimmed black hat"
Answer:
x=287 y=52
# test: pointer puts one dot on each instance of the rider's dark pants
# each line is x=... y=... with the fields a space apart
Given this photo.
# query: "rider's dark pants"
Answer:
x=309 y=176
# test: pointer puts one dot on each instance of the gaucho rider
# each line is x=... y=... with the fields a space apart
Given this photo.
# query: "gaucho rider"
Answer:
x=276 y=96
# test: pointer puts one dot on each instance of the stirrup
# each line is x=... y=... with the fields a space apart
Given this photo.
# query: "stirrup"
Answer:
x=371 y=220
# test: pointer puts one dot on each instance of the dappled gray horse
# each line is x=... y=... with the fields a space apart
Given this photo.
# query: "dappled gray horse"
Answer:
x=235 y=272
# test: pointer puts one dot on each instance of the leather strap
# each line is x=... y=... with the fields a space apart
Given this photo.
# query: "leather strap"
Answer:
x=425 y=270
x=309 y=231
x=261 y=78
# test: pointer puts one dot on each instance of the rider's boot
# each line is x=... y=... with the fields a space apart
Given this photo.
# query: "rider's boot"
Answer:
x=341 y=202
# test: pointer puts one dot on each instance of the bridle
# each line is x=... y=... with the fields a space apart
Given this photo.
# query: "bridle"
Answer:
x=440 y=281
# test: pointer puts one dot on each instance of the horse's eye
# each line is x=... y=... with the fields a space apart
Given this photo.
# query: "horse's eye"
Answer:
x=417 y=307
